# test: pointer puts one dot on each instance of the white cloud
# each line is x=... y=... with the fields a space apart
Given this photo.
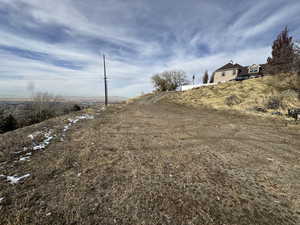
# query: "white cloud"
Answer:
x=140 y=38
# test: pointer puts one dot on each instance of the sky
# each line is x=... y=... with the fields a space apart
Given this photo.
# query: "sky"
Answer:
x=56 y=46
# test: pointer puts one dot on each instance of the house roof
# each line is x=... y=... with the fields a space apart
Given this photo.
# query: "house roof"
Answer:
x=230 y=66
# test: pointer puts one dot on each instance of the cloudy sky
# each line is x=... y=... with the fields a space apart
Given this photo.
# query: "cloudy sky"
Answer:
x=56 y=45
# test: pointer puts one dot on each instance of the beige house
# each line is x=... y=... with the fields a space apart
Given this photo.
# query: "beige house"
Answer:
x=232 y=71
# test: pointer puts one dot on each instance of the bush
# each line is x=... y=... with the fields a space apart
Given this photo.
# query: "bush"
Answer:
x=232 y=100
x=8 y=123
x=76 y=108
x=274 y=102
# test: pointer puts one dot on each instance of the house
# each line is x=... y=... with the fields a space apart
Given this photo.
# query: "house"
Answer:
x=235 y=71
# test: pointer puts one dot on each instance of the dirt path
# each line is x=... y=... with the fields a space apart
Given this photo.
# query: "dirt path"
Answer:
x=163 y=164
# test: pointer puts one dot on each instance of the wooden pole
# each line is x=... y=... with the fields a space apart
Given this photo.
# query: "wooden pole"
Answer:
x=105 y=81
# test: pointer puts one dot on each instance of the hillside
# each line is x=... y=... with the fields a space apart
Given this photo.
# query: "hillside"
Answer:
x=150 y=162
x=269 y=94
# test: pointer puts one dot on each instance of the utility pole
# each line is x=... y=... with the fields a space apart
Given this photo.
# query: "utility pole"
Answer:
x=105 y=81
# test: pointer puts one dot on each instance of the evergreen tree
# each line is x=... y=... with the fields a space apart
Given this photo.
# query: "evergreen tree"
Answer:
x=205 y=78
x=282 y=54
x=9 y=123
x=212 y=78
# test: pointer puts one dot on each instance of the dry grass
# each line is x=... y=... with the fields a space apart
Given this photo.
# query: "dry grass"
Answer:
x=249 y=94
x=160 y=164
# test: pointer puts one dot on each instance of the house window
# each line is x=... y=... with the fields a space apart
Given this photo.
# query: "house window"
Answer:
x=254 y=69
x=223 y=74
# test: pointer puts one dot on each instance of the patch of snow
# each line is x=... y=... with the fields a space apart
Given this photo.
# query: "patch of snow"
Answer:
x=18 y=152
x=39 y=147
x=34 y=135
x=66 y=127
x=1 y=199
x=15 y=179
x=48 y=214
x=48 y=137
x=24 y=158
x=74 y=121
x=24 y=150
x=87 y=117
x=29 y=154
x=31 y=136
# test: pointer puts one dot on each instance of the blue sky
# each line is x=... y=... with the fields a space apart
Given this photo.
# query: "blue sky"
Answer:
x=57 y=44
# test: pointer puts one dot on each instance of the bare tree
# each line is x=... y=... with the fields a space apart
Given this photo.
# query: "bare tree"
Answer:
x=282 y=54
x=205 y=78
x=168 y=80
x=45 y=106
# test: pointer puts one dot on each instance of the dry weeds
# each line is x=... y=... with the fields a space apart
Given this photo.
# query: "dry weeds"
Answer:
x=250 y=94
x=161 y=164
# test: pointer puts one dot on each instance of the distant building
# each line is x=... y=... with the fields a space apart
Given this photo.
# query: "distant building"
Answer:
x=232 y=71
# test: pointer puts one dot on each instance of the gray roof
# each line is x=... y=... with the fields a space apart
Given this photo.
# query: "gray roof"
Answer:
x=230 y=66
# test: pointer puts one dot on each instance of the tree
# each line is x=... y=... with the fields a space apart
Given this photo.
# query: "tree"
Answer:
x=282 y=54
x=205 y=78
x=212 y=78
x=168 y=80
x=9 y=123
x=76 y=108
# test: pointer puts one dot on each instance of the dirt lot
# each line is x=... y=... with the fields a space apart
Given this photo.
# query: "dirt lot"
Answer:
x=160 y=164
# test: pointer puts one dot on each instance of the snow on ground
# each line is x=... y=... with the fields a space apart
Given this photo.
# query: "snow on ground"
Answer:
x=82 y=117
x=46 y=137
x=42 y=145
x=1 y=199
x=74 y=121
x=26 y=158
x=15 y=179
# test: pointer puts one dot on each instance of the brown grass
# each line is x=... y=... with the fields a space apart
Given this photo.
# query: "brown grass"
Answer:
x=160 y=164
x=249 y=93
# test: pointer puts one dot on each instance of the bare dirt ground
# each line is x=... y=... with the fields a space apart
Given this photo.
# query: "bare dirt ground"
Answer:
x=161 y=164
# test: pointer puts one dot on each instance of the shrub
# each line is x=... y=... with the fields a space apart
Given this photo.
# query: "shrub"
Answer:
x=76 y=108
x=232 y=100
x=274 y=102
x=8 y=123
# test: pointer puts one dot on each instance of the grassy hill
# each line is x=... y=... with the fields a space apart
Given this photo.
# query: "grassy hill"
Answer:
x=147 y=163
x=264 y=95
